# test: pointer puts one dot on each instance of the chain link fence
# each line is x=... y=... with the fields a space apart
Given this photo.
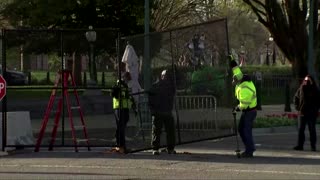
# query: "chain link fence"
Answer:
x=196 y=54
x=31 y=61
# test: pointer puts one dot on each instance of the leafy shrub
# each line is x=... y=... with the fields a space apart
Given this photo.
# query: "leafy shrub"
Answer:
x=34 y=79
x=278 y=70
x=208 y=80
x=54 y=61
x=265 y=122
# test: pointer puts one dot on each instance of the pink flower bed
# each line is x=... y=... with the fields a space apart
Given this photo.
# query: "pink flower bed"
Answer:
x=290 y=115
x=287 y=115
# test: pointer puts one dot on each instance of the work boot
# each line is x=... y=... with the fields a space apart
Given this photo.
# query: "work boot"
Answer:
x=246 y=155
x=155 y=152
x=169 y=151
x=121 y=150
x=298 y=148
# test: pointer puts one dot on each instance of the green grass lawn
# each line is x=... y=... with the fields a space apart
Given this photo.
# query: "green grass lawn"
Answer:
x=40 y=93
x=39 y=79
x=274 y=96
x=45 y=78
x=266 y=122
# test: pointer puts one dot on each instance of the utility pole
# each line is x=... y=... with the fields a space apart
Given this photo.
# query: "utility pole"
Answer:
x=146 y=59
x=311 y=69
x=21 y=49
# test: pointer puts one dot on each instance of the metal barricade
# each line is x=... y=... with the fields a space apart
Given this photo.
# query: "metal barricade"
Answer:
x=144 y=113
x=203 y=107
x=197 y=112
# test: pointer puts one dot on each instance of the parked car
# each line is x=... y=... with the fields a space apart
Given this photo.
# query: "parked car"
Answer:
x=14 y=78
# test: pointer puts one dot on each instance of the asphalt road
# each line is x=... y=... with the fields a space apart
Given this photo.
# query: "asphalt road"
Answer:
x=214 y=159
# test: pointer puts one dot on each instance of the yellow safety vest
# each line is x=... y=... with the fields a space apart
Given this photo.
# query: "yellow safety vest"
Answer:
x=246 y=94
x=126 y=102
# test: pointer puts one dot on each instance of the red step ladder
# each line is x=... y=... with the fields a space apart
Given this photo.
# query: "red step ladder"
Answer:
x=65 y=75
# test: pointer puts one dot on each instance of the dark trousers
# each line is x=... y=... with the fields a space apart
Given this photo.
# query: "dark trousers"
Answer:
x=158 y=120
x=309 y=120
x=245 y=130
x=121 y=126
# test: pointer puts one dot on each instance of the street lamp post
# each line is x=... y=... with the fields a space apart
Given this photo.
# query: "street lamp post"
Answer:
x=274 y=54
x=91 y=36
x=273 y=50
x=267 y=57
x=242 y=60
x=21 y=50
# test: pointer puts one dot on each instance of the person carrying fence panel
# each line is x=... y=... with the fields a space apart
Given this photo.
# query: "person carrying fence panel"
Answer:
x=161 y=98
x=245 y=92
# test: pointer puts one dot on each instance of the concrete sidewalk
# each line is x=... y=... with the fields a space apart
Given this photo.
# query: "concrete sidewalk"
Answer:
x=214 y=159
x=275 y=138
x=3 y=153
x=280 y=140
x=211 y=159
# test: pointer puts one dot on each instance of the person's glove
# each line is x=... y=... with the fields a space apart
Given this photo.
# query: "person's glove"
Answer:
x=115 y=92
x=236 y=109
x=230 y=57
x=134 y=108
x=135 y=112
x=233 y=63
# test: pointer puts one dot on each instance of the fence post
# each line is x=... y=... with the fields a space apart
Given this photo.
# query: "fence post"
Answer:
x=287 y=107
x=84 y=79
x=29 y=78
x=103 y=79
x=258 y=89
x=48 y=77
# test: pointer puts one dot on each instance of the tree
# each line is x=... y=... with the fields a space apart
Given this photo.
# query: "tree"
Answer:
x=167 y=14
x=125 y=15
x=287 y=22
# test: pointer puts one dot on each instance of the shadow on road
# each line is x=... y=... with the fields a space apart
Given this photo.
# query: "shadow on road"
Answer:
x=262 y=157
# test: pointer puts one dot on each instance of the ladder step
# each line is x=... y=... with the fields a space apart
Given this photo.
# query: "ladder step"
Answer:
x=78 y=127
x=82 y=140
x=63 y=78
x=75 y=107
x=52 y=125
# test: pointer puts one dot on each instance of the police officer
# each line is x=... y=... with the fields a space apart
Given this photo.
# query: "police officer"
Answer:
x=122 y=102
x=245 y=93
x=161 y=104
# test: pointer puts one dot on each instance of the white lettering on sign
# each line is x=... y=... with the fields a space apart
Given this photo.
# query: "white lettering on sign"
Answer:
x=1 y=87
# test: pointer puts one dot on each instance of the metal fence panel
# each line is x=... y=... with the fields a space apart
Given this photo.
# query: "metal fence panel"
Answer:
x=40 y=54
x=199 y=114
x=202 y=108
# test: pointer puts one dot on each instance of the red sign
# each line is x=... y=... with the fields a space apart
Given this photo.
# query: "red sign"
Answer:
x=3 y=87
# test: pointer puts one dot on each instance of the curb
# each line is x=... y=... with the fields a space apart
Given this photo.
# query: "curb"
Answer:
x=281 y=129
x=3 y=153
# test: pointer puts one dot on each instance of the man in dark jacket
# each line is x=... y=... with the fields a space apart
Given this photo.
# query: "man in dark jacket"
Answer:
x=306 y=101
x=161 y=104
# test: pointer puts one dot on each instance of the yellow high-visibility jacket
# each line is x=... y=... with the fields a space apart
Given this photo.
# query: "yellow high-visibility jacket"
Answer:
x=245 y=92
x=126 y=102
x=125 y=97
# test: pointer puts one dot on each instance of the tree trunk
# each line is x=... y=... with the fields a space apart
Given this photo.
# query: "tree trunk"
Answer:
x=299 y=70
x=76 y=68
